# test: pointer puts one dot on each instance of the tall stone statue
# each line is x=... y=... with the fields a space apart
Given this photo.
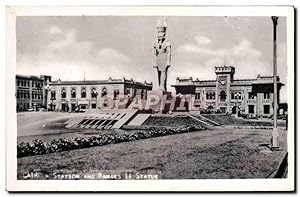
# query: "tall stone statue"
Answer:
x=162 y=52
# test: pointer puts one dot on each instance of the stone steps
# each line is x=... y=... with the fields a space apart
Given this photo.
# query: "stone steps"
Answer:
x=102 y=119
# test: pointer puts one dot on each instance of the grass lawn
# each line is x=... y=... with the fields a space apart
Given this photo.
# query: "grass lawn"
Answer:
x=218 y=153
x=231 y=120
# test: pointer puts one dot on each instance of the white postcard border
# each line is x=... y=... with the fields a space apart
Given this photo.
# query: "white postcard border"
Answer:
x=12 y=184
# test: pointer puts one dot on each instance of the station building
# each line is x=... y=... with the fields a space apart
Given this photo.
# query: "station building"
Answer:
x=74 y=95
x=31 y=92
x=229 y=95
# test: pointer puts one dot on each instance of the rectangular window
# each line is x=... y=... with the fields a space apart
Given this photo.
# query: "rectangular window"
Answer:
x=53 y=95
x=93 y=105
x=251 y=109
x=211 y=96
x=266 y=95
x=197 y=96
x=266 y=109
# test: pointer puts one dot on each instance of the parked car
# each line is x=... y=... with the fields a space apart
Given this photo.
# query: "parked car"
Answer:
x=30 y=109
x=80 y=110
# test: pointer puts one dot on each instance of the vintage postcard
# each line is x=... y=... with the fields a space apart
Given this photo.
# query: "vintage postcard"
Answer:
x=150 y=98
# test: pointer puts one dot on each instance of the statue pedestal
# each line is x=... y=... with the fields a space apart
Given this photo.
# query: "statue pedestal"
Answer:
x=162 y=96
x=159 y=93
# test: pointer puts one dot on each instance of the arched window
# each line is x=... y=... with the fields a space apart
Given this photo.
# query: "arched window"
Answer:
x=63 y=93
x=222 y=95
x=53 y=94
x=83 y=93
x=116 y=93
x=104 y=92
x=94 y=93
x=73 y=93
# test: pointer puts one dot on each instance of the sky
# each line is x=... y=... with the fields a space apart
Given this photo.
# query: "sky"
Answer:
x=99 y=47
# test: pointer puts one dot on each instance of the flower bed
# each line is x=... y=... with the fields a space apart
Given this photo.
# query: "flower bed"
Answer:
x=38 y=147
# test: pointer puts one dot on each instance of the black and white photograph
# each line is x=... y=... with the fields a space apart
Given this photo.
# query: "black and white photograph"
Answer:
x=141 y=96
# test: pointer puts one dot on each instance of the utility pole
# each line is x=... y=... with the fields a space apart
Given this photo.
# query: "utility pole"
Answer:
x=275 y=133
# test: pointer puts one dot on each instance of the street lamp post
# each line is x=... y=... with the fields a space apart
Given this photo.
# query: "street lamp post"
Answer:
x=96 y=92
x=237 y=96
x=47 y=88
x=275 y=133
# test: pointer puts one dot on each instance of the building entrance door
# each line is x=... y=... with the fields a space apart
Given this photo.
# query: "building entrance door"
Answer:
x=251 y=109
x=234 y=109
x=73 y=107
x=63 y=107
x=52 y=107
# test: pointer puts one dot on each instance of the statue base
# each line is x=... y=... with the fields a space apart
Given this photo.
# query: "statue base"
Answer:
x=162 y=94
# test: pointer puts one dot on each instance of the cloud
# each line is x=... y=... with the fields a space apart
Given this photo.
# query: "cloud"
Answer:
x=247 y=60
x=199 y=50
x=114 y=54
x=68 y=58
x=201 y=60
x=202 y=40
x=67 y=41
x=243 y=50
x=54 y=30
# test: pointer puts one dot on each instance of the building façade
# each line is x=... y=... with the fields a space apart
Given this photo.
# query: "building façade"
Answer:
x=229 y=95
x=31 y=92
x=76 y=95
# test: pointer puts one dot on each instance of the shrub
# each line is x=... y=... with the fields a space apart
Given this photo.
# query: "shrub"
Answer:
x=38 y=147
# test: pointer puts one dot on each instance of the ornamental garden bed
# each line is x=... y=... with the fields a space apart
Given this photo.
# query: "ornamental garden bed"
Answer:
x=38 y=147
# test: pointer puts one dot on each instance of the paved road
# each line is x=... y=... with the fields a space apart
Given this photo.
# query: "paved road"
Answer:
x=32 y=123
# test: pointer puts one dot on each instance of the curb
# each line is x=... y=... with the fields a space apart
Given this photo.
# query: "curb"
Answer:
x=281 y=169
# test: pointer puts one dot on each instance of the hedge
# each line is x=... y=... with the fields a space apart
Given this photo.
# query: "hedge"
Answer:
x=38 y=147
